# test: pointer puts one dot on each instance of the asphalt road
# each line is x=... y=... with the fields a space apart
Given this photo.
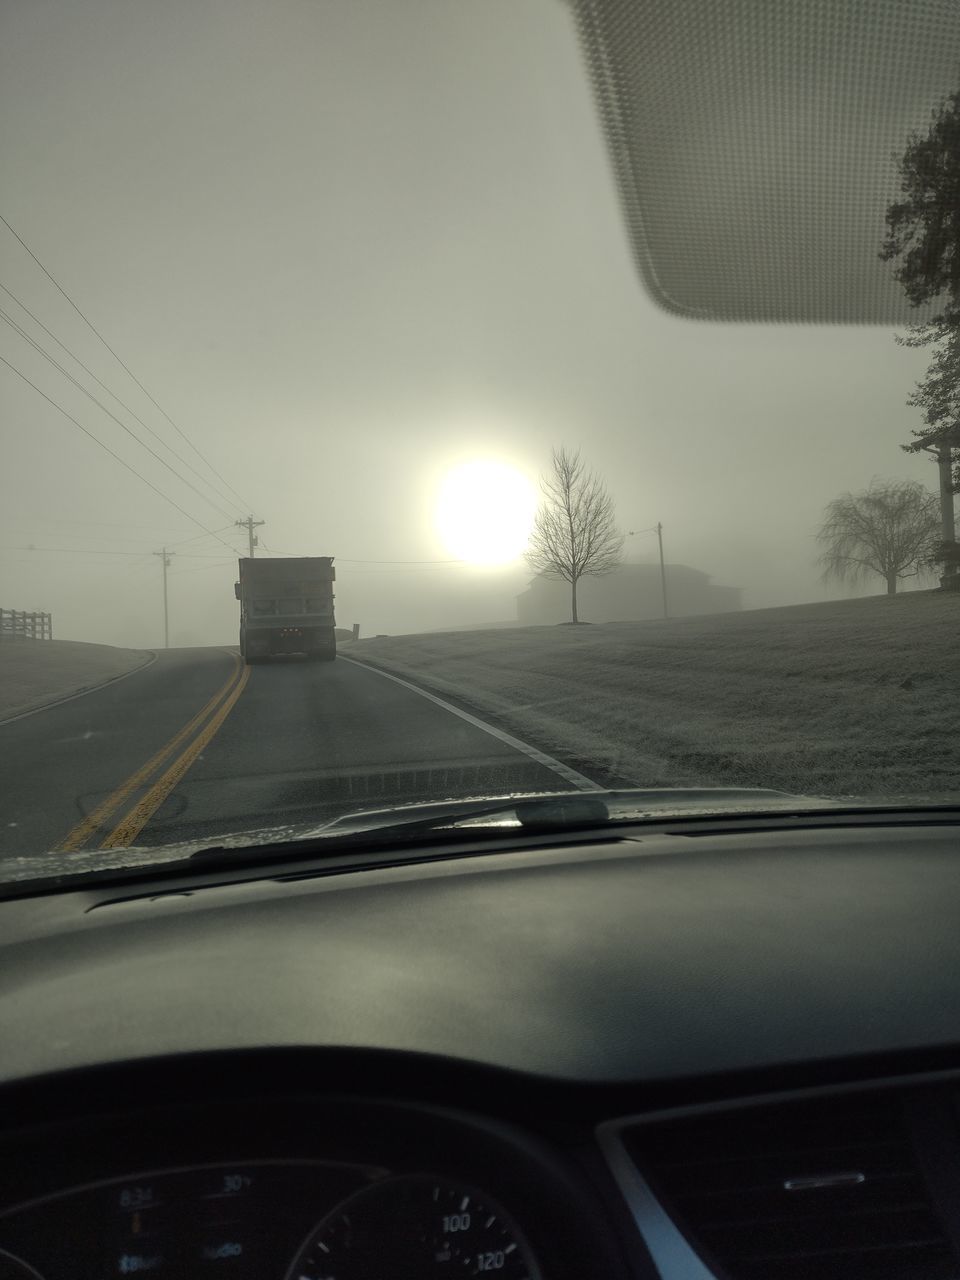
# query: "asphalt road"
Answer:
x=237 y=749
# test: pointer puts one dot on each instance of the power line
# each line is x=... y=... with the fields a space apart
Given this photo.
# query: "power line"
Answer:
x=75 y=551
x=92 y=551
x=113 y=524
x=99 y=537
x=412 y=569
x=18 y=328
x=200 y=568
x=111 y=551
x=136 y=565
x=99 y=381
x=345 y=560
x=197 y=537
x=96 y=439
x=79 y=539
x=120 y=362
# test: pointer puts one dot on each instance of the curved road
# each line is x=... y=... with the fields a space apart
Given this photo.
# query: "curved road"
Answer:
x=235 y=749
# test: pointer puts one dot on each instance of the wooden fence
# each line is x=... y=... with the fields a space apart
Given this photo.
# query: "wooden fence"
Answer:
x=15 y=624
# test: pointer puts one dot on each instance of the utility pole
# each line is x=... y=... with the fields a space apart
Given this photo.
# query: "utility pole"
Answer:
x=663 y=570
x=944 y=454
x=250 y=524
x=165 y=557
x=658 y=530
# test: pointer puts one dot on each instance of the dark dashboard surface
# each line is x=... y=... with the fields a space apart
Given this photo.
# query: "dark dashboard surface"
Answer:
x=252 y=1185
x=531 y=1063
x=636 y=960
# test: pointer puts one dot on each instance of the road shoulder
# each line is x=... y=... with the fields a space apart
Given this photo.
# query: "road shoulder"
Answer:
x=38 y=674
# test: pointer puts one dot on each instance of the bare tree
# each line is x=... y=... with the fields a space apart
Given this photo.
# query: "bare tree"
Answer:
x=574 y=532
x=890 y=529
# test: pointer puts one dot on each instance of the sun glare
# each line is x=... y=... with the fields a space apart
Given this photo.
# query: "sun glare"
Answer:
x=485 y=512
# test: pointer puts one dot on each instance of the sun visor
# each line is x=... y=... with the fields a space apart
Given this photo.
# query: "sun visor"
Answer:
x=756 y=143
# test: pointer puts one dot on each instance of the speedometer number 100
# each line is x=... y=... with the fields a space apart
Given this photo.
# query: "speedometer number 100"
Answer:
x=425 y=1226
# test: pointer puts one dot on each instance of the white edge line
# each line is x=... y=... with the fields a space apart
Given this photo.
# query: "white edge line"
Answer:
x=81 y=693
x=578 y=780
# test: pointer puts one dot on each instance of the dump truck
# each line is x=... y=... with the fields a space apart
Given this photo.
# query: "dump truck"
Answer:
x=286 y=607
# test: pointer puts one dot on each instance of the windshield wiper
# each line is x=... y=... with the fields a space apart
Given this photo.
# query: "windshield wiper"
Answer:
x=374 y=837
x=558 y=811
x=555 y=812
x=478 y=821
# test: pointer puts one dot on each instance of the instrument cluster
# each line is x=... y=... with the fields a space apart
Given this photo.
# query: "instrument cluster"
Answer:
x=298 y=1219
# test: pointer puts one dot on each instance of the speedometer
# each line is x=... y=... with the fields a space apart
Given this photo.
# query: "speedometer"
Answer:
x=413 y=1228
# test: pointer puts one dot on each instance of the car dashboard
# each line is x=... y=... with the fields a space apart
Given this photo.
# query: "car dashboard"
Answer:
x=701 y=1051
x=309 y=1185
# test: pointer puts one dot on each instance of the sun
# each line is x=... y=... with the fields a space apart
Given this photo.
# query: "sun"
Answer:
x=485 y=511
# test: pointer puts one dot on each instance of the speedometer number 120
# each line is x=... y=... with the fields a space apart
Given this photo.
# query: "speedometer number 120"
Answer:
x=411 y=1228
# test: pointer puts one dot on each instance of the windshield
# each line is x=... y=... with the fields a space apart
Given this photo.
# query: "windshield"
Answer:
x=351 y=464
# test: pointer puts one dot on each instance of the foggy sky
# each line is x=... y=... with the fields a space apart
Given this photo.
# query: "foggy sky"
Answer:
x=347 y=245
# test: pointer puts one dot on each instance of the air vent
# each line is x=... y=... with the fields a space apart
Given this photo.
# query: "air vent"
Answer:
x=824 y=1191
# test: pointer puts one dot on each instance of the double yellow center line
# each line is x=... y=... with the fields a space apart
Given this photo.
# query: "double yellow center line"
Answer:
x=178 y=755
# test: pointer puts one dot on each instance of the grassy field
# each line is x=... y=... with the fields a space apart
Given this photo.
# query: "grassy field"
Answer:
x=850 y=698
x=35 y=672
